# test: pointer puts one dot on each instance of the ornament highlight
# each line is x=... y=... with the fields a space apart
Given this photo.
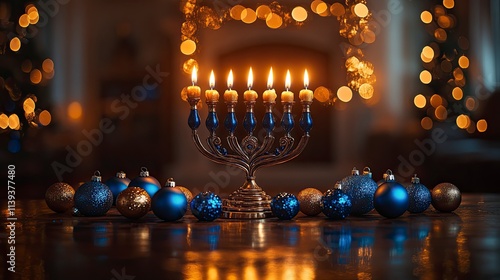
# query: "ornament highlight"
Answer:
x=446 y=197
x=133 y=202
x=361 y=189
x=59 y=197
x=206 y=206
x=117 y=184
x=285 y=206
x=93 y=198
x=149 y=183
x=336 y=204
x=419 y=196
x=309 y=201
x=169 y=204
x=391 y=198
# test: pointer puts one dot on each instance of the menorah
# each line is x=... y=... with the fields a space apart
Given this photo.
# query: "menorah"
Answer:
x=249 y=201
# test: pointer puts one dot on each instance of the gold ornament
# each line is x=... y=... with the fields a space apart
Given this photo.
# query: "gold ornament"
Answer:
x=446 y=197
x=187 y=193
x=309 y=200
x=133 y=202
x=59 y=197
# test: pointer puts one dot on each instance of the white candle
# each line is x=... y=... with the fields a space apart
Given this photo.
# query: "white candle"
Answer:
x=306 y=94
x=250 y=95
x=211 y=94
x=194 y=91
x=270 y=94
x=287 y=95
x=230 y=95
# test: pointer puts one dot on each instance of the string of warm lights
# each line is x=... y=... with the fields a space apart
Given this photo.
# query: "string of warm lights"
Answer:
x=445 y=66
x=356 y=25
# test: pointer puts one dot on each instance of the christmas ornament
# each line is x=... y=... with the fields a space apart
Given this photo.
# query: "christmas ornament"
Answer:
x=309 y=201
x=133 y=202
x=189 y=195
x=391 y=198
x=446 y=197
x=419 y=196
x=169 y=204
x=149 y=183
x=285 y=206
x=59 y=197
x=117 y=184
x=93 y=198
x=336 y=204
x=206 y=206
x=360 y=189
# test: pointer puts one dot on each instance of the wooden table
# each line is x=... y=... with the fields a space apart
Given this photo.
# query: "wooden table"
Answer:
x=460 y=245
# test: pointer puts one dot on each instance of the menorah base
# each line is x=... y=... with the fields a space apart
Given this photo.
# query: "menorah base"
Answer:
x=248 y=202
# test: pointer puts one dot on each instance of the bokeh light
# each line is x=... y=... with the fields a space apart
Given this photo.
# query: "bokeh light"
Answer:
x=426 y=17
x=15 y=44
x=24 y=21
x=29 y=105
x=248 y=16
x=426 y=123
x=35 y=76
x=425 y=77
x=457 y=93
x=361 y=10
x=4 y=121
x=463 y=121
x=322 y=94
x=449 y=4
x=482 y=125
x=44 y=118
x=188 y=47
x=436 y=100
x=463 y=62
x=420 y=101
x=75 y=110
x=274 y=21
x=299 y=14
x=344 y=93
x=48 y=65
x=14 y=122
x=441 y=113
x=366 y=91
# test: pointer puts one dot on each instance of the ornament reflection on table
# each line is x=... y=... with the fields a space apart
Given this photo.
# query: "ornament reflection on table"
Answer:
x=249 y=201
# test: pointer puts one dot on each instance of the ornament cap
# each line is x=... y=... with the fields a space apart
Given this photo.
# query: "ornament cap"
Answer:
x=367 y=171
x=338 y=186
x=390 y=177
x=170 y=183
x=415 y=179
x=355 y=171
x=144 y=172
x=121 y=175
x=97 y=176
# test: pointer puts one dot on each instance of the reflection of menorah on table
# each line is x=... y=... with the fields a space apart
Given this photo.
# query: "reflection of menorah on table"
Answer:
x=249 y=201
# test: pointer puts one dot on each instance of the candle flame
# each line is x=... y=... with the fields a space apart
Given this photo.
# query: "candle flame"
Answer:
x=306 y=79
x=194 y=75
x=250 y=78
x=288 y=81
x=212 y=80
x=230 y=79
x=270 y=79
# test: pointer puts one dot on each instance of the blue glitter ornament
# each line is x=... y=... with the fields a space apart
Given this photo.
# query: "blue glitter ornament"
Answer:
x=169 y=204
x=93 y=198
x=117 y=184
x=336 y=204
x=361 y=189
x=149 y=183
x=391 y=198
x=206 y=206
x=419 y=195
x=285 y=206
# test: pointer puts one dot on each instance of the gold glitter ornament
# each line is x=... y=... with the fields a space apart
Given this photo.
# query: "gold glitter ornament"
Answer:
x=59 y=197
x=309 y=200
x=446 y=197
x=187 y=193
x=133 y=202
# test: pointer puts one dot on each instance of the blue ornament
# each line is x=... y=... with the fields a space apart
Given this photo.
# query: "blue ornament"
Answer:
x=419 y=195
x=361 y=189
x=93 y=198
x=336 y=204
x=117 y=184
x=391 y=198
x=169 y=204
x=285 y=206
x=206 y=206
x=149 y=183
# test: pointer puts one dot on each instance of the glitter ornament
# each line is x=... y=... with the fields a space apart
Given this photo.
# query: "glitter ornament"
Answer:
x=285 y=206
x=336 y=204
x=189 y=195
x=361 y=189
x=149 y=183
x=59 y=197
x=206 y=206
x=309 y=201
x=117 y=184
x=93 y=198
x=391 y=198
x=133 y=202
x=446 y=197
x=169 y=204
x=419 y=196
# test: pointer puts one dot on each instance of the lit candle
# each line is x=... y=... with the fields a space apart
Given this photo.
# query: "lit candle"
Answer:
x=250 y=95
x=194 y=91
x=306 y=94
x=270 y=94
x=211 y=94
x=287 y=95
x=230 y=95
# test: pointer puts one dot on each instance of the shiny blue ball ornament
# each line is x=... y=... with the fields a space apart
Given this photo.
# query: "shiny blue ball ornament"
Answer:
x=361 y=189
x=169 y=204
x=419 y=196
x=285 y=206
x=93 y=198
x=336 y=204
x=117 y=184
x=391 y=199
x=149 y=183
x=206 y=206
